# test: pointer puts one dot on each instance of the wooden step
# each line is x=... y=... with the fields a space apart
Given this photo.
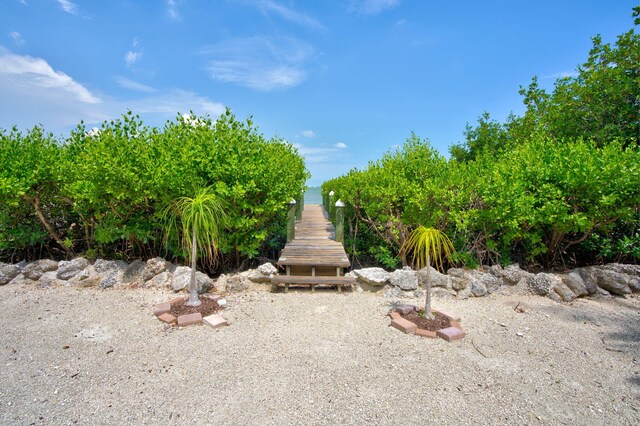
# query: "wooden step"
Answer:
x=296 y=280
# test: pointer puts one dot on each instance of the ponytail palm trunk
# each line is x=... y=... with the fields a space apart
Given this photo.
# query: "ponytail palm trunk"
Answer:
x=199 y=222
x=428 y=245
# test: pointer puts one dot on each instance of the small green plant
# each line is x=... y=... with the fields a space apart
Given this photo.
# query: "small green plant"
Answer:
x=428 y=245
x=199 y=222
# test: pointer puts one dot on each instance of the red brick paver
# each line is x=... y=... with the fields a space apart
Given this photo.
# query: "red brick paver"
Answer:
x=168 y=318
x=190 y=319
x=404 y=325
x=451 y=334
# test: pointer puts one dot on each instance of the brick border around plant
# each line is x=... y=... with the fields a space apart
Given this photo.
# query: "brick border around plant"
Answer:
x=162 y=312
x=450 y=334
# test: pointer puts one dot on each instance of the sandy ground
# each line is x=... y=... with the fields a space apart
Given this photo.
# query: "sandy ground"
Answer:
x=90 y=356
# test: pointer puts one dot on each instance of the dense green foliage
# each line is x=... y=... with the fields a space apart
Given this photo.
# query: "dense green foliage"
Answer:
x=558 y=186
x=102 y=193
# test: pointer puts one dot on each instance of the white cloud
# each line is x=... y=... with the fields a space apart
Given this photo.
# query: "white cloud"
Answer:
x=341 y=145
x=371 y=7
x=17 y=37
x=321 y=153
x=133 y=55
x=308 y=133
x=35 y=74
x=262 y=63
x=34 y=93
x=134 y=85
x=172 y=10
x=289 y=14
x=68 y=6
x=562 y=74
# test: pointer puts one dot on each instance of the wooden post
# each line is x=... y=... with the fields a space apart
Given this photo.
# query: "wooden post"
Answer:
x=300 y=207
x=291 y=221
x=331 y=210
x=340 y=221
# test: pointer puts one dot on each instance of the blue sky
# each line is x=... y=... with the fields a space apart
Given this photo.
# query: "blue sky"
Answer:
x=344 y=81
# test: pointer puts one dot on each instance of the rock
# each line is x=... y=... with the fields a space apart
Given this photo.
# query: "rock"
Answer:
x=633 y=270
x=613 y=282
x=133 y=272
x=496 y=271
x=111 y=278
x=20 y=279
x=8 y=272
x=574 y=281
x=404 y=279
x=563 y=291
x=71 y=268
x=256 y=276
x=512 y=274
x=362 y=286
x=477 y=288
x=392 y=292
x=182 y=279
x=437 y=279
x=102 y=266
x=50 y=279
x=490 y=282
x=268 y=269
x=442 y=293
x=220 y=284
x=372 y=276
x=588 y=278
x=162 y=280
x=405 y=309
x=542 y=283
x=88 y=277
x=154 y=266
x=459 y=278
x=236 y=283
x=35 y=270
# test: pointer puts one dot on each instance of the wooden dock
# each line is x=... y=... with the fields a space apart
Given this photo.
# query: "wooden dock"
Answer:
x=313 y=258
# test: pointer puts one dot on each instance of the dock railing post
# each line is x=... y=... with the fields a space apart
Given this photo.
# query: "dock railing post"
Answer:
x=331 y=210
x=300 y=207
x=339 y=221
x=291 y=220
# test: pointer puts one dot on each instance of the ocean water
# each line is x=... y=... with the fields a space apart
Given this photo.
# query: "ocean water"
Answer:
x=313 y=195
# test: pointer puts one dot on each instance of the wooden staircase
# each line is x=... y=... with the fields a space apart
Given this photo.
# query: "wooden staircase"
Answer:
x=313 y=258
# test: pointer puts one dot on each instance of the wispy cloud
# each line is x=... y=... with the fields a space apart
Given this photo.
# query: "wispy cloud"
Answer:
x=371 y=7
x=341 y=145
x=270 y=6
x=68 y=6
x=172 y=10
x=17 y=37
x=308 y=133
x=134 y=85
x=133 y=55
x=322 y=153
x=562 y=74
x=262 y=63
x=35 y=74
x=34 y=93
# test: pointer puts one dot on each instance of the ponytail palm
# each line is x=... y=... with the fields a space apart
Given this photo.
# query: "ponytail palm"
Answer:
x=199 y=222
x=428 y=245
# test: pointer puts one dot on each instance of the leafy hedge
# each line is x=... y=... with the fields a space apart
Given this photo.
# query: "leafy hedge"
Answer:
x=101 y=192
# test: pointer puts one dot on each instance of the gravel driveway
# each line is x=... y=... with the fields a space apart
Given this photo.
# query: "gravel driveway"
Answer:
x=90 y=356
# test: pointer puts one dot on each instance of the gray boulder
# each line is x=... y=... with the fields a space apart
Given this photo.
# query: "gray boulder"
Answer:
x=563 y=291
x=50 y=279
x=404 y=279
x=182 y=279
x=35 y=270
x=162 y=280
x=110 y=278
x=71 y=268
x=102 y=266
x=8 y=272
x=442 y=293
x=267 y=269
x=256 y=276
x=477 y=287
x=88 y=277
x=220 y=285
x=512 y=274
x=589 y=278
x=542 y=283
x=437 y=279
x=613 y=282
x=154 y=266
x=496 y=271
x=574 y=281
x=459 y=278
x=133 y=272
x=372 y=276
x=621 y=268
x=490 y=282
x=392 y=292
x=236 y=283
